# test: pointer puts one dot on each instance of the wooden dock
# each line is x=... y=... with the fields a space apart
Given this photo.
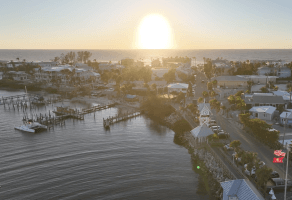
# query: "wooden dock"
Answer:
x=113 y=119
x=96 y=108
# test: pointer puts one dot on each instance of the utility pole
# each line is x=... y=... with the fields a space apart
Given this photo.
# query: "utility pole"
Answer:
x=284 y=137
x=288 y=149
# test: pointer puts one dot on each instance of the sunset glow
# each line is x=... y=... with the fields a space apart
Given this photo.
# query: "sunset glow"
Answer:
x=154 y=32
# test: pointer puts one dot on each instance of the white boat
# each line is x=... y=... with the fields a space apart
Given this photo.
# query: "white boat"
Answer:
x=31 y=127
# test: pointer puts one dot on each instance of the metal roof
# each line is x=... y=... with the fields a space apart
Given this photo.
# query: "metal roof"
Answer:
x=241 y=189
x=201 y=131
x=263 y=109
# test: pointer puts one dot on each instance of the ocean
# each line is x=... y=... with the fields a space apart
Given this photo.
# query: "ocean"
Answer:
x=135 y=159
x=147 y=55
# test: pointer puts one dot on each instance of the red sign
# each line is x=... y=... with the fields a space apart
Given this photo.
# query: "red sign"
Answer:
x=278 y=160
x=279 y=153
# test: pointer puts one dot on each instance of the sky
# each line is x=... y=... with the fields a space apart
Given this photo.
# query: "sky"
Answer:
x=114 y=24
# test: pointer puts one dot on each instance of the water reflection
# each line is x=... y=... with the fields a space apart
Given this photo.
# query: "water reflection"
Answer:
x=157 y=128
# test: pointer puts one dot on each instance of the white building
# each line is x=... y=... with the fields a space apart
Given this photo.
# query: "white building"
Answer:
x=263 y=112
x=178 y=87
x=12 y=64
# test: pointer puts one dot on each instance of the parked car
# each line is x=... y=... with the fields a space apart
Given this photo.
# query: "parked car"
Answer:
x=227 y=147
x=252 y=173
x=203 y=81
x=215 y=127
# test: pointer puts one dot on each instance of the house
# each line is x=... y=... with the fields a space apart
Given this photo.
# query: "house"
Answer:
x=1 y=74
x=286 y=117
x=263 y=99
x=178 y=87
x=265 y=70
x=230 y=81
x=286 y=95
x=263 y=112
x=17 y=76
x=240 y=189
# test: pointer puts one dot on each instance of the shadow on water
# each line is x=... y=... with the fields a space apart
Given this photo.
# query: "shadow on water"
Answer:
x=157 y=128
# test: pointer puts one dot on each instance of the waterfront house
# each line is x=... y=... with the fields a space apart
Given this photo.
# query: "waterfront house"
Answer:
x=178 y=87
x=231 y=81
x=263 y=99
x=240 y=189
x=263 y=112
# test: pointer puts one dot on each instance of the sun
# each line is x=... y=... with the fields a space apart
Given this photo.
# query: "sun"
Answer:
x=154 y=32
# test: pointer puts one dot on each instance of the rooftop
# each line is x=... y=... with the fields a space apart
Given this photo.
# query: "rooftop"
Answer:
x=201 y=131
x=263 y=109
x=228 y=78
x=240 y=188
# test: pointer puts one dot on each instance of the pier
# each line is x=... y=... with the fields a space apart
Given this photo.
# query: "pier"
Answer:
x=114 y=119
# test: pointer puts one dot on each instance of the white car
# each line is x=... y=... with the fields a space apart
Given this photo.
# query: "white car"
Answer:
x=110 y=90
x=215 y=127
x=227 y=147
x=252 y=173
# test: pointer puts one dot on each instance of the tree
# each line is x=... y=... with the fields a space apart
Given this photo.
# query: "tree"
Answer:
x=250 y=158
x=245 y=119
x=210 y=86
x=231 y=99
x=201 y=100
x=264 y=90
x=205 y=94
x=235 y=144
x=262 y=174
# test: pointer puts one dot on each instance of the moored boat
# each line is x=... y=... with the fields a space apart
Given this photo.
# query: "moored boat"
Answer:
x=31 y=127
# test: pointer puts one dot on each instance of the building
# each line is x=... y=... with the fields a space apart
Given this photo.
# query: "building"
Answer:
x=286 y=116
x=1 y=74
x=202 y=132
x=278 y=70
x=263 y=99
x=240 y=189
x=205 y=112
x=17 y=76
x=12 y=64
x=263 y=112
x=158 y=72
x=259 y=79
x=230 y=81
x=178 y=87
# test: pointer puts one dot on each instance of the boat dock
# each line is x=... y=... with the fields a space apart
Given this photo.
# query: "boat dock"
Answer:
x=111 y=120
x=84 y=111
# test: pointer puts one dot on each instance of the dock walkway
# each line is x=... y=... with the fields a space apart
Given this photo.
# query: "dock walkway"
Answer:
x=114 y=119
